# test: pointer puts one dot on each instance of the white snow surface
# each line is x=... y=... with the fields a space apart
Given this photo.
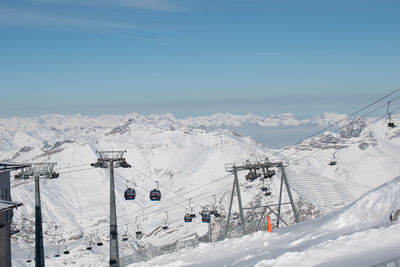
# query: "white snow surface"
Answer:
x=189 y=163
x=359 y=234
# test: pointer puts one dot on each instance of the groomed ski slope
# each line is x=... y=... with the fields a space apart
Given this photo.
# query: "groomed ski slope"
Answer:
x=360 y=234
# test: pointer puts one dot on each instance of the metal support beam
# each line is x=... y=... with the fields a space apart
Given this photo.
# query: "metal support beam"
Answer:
x=263 y=206
x=262 y=216
x=240 y=204
x=280 y=202
x=279 y=218
x=296 y=218
x=209 y=232
x=39 y=250
x=230 y=209
x=114 y=251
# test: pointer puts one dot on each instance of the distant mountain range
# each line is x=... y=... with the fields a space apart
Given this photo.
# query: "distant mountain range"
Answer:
x=64 y=122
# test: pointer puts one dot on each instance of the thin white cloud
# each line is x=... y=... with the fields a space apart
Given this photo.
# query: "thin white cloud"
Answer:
x=16 y=17
x=157 y=5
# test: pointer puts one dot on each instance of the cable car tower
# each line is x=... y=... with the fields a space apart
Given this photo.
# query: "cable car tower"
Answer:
x=111 y=159
x=38 y=171
x=254 y=169
x=390 y=123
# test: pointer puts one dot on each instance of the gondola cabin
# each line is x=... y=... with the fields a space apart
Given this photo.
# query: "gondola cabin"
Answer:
x=215 y=213
x=391 y=124
x=332 y=163
x=165 y=227
x=155 y=195
x=130 y=194
x=187 y=218
x=266 y=190
x=250 y=177
x=66 y=252
x=269 y=174
x=138 y=234
x=205 y=218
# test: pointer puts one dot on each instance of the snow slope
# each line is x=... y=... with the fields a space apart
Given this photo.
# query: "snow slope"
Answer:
x=359 y=234
x=188 y=163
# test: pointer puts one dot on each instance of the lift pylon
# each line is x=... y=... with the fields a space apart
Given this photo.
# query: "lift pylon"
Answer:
x=37 y=171
x=111 y=159
x=254 y=167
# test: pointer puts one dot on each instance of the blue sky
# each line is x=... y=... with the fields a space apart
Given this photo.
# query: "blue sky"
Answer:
x=196 y=57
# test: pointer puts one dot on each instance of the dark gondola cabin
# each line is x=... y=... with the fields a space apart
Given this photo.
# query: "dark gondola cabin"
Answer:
x=138 y=234
x=205 y=218
x=266 y=190
x=250 y=176
x=155 y=195
x=215 y=213
x=391 y=124
x=188 y=218
x=130 y=194
x=269 y=173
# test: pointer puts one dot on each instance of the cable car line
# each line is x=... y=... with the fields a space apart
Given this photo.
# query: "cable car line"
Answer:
x=187 y=192
x=317 y=150
x=160 y=210
x=338 y=122
x=344 y=126
x=73 y=166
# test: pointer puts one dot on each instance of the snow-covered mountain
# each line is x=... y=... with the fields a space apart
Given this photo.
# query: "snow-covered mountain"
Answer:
x=188 y=163
x=76 y=122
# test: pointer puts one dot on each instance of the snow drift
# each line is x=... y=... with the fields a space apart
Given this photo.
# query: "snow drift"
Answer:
x=359 y=234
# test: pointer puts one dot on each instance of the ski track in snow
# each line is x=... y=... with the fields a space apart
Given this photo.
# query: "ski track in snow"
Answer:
x=320 y=190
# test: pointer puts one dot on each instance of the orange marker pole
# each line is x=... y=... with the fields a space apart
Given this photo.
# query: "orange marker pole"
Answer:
x=269 y=224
